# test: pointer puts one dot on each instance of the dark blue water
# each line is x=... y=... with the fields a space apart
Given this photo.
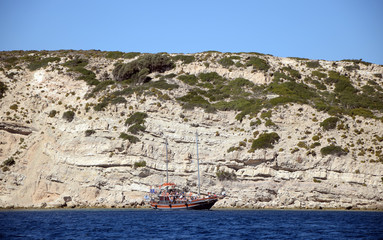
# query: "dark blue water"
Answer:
x=216 y=224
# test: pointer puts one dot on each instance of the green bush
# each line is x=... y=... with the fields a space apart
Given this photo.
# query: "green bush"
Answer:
x=3 y=89
x=356 y=61
x=352 y=68
x=223 y=175
x=77 y=62
x=188 y=79
x=139 y=164
x=278 y=76
x=269 y=123
x=136 y=128
x=68 y=116
x=136 y=118
x=313 y=64
x=186 y=59
x=192 y=100
x=292 y=72
x=226 y=62
x=130 y=138
x=302 y=145
x=258 y=63
x=333 y=150
x=114 y=54
x=211 y=77
x=265 y=140
x=334 y=77
x=291 y=92
x=52 y=113
x=362 y=112
x=256 y=123
x=77 y=65
x=315 y=144
x=265 y=114
x=232 y=149
x=101 y=86
x=319 y=85
x=9 y=162
x=89 y=132
x=130 y=55
x=329 y=123
x=136 y=72
x=100 y=106
x=316 y=138
x=42 y=63
x=318 y=74
x=14 y=107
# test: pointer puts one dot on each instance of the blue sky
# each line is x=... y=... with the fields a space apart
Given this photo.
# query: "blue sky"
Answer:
x=325 y=29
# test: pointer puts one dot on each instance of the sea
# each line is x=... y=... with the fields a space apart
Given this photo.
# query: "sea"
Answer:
x=213 y=224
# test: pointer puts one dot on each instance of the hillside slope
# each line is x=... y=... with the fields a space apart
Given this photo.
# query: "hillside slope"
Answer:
x=87 y=128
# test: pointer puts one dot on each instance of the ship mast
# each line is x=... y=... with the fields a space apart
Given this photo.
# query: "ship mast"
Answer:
x=166 y=147
x=196 y=136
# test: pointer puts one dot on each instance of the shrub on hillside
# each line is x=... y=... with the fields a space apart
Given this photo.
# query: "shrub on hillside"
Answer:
x=139 y=164
x=89 y=132
x=292 y=72
x=114 y=54
x=329 y=123
x=184 y=58
x=188 y=79
x=3 y=89
x=130 y=55
x=313 y=64
x=318 y=74
x=136 y=118
x=265 y=140
x=223 y=175
x=9 y=162
x=41 y=63
x=258 y=63
x=135 y=72
x=136 y=128
x=333 y=150
x=68 y=116
x=52 y=113
x=226 y=62
x=130 y=138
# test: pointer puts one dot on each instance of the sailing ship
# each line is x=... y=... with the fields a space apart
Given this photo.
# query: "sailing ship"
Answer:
x=169 y=197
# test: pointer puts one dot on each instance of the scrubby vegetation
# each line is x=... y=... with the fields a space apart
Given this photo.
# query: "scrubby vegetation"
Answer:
x=186 y=59
x=258 y=63
x=78 y=65
x=9 y=162
x=41 y=63
x=313 y=64
x=52 y=113
x=136 y=118
x=228 y=176
x=136 y=122
x=139 y=164
x=333 y=150
x=265 y=140
x=89 y=132
x=329 y=123
x=68 y=116
x=136 y=72
x=226 y=62
x=130 y=138
x=3 y=89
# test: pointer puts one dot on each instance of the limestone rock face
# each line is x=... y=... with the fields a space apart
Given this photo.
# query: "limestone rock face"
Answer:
x=58 y=165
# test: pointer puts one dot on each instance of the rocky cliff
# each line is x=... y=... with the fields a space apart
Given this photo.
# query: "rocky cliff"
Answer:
x=87 y=128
